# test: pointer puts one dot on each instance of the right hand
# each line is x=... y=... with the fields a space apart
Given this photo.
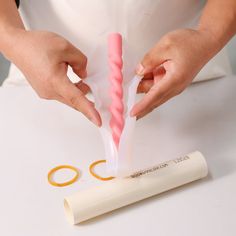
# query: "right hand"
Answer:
x=43 y=57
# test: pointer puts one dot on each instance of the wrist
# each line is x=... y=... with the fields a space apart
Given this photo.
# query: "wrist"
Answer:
x=214 y=44
x=10 y=39
x=210 y=42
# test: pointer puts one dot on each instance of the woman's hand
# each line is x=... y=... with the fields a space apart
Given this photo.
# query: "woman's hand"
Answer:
x=44 y=57
x=170 y=66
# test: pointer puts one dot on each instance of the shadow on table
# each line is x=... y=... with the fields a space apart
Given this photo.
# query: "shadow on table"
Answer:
x=215 y=122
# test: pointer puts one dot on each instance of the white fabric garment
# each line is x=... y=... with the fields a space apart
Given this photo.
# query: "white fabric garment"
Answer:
x=142 y=23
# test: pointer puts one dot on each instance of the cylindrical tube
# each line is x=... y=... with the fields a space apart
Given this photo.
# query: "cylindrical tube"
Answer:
x=143 y=184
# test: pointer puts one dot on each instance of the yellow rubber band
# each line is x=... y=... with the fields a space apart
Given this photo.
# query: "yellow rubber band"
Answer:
x=91 y=170
x=53 y=171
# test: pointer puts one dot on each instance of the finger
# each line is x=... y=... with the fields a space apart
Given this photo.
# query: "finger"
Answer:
x=154 y=106
x=155 y=95
x=77 y=60
x=76 y=99
x=144 y=113
x=148 y=79
x=159 y=73
x=144 y=86
x=148 y=76
x=61 y=99
x=83 y=87
x=151 y=60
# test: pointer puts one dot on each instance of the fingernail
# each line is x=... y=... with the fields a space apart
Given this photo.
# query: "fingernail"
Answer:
x=95 y=121
x=132 y=114
x=140 y=69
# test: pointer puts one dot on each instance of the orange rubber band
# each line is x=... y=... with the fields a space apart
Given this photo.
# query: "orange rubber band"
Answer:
x=91 y=170
x=53 y=171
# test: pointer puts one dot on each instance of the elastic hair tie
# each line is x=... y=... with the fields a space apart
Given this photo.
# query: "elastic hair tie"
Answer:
x=91 y=170
x=55 y=169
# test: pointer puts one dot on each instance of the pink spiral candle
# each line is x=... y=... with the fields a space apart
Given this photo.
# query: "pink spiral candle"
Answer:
x=116 y=92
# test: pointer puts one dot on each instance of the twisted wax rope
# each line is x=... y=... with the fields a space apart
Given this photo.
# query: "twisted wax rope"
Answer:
x=116 y=91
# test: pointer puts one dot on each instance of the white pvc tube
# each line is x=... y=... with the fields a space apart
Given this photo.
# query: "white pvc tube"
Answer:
x=121 y=192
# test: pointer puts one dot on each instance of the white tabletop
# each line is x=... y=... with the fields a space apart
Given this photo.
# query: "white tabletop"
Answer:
x=36 y=135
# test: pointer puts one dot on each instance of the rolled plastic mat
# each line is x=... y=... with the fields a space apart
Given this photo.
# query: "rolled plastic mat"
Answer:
x=121 y=192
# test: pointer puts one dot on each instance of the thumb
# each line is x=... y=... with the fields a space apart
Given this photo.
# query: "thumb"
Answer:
x=77 y=60
x=153 y=59
x=83 y=87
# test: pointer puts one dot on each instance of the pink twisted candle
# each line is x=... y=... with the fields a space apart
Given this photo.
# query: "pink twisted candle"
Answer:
x=116 y=79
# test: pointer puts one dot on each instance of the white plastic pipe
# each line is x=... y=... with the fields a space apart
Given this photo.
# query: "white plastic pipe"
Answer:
x=143 y=184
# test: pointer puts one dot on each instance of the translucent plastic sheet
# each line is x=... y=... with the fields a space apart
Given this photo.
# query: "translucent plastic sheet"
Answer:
x=119 y=161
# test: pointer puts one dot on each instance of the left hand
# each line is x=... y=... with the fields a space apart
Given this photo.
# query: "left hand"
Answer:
x=170 y=66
